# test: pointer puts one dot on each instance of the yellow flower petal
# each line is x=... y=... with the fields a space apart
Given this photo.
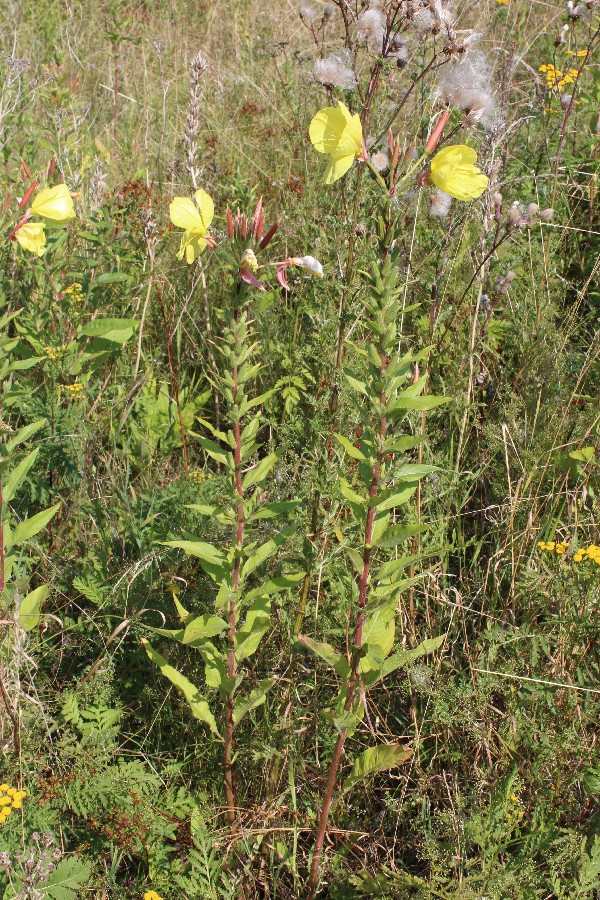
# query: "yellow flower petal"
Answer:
x=336 y=132
x=184 y=214
x=31 y=237
x=151 y=895
x=206 y=207
x=453 y=171
x=54 y=204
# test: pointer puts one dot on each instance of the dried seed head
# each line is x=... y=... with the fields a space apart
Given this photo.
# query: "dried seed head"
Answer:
x=565 y=101
x=513 y=215
x=307 y=13
x=440 y=205
x=370 y=27
x=532 y=210
x=336 y=70
x=380 y=160
x=466 y=83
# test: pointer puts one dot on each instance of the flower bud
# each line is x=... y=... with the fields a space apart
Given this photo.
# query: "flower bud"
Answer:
x=498 y=198
x=565 y=101
x=513 y=215
x=547 y=215
x=532 y=210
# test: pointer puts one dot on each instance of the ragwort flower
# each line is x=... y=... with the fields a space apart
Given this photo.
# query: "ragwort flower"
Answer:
x=195 y=219
x=453 y=171
x=337 y=133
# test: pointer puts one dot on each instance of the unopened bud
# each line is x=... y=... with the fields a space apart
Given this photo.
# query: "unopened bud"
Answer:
x=532 y=210
x=498 y=198
x=565 y=101
x=513 y=216
x=547 y=215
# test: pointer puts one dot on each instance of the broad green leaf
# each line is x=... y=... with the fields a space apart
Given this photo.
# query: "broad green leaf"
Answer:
x=30 y=607
x=23 y=434
x=17 y=476
x=271 y=510
x=407 y=473
x=198 y=705
x=405 y=402
x=350 y=494
x=395 y=444
x=274 y=585
x=394 y=566
x=349 y=447
x=215 y=670
x=403 y=658
x=376 y=759
x=359 y=386
x=265 y=551
x=398 y=498
x=215 y=451
x=203 y=627
x=327 y=653
x=378 y=635
x=249 y=635
x=259 y=472
x=117 y=330
x=398 y=533
x=211 y=559
x=29 y=527
x=244 y=705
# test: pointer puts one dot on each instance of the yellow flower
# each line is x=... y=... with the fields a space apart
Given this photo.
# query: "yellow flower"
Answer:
x=453 y=171
x=249 y=260
x=4 y=801
x=54 y=204
x=17 y=804
x=578 y=557
x=31 y=237
x=151 y=895
x=337 y=133
x=195 y=219
x=501 y=2
x=4 y=788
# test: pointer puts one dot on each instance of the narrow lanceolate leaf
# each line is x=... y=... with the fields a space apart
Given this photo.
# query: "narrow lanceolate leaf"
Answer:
x=376 y=759
x=32 y=526
x=403 y=658
x=259 y=472
x=271 y=510
x=327 y=653
x=215 y=451
x=359 y=386
x=249 y=635
x=403 y=402
x=30 y=608
x=274 y=585
x=244 y=705
x=23 y=434
x=198 y=705
x=211 y=559
x=265 y=551
x=378 y=636
x=396 y=497
x=17 y=476
x=349 y=447
x=398 y=533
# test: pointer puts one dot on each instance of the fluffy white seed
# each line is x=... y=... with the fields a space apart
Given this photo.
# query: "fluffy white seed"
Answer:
x=336 y=70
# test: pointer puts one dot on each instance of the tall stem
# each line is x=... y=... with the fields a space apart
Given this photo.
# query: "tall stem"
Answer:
x=315 y=870
x=230 y=786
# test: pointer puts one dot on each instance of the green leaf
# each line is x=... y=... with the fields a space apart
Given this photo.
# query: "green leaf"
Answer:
x=17 y=476
x=215 y=451
x=212 y=560
x=116 y=330
x=404 y=658
x=258 y=474
x=376 y=759
x=274 y=585
x=265 y=551
x=398 y=533
x=244 y=705
x=378 y=635
x=349 y=447
x=249 y=636
x=405 y=402
x=30 y=608
x=350 y=494
x=327 y=653
x=29 y=527
x=67 y=881
x=203 y=627
x=198 y=705
x=23 y=434
x=271 y=510
x=393 y=500
x=358 y=386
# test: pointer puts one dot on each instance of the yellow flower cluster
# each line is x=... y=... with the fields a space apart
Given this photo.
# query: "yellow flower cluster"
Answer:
x=557 y=79
x=579 y=53
x=501 y=2
x=553 y=546
x=151 y=895
x=197 y=475
x=74 y=389
x=10 y=798
x=592 y=552
x=515 y=815
x=54 y=352
x=74 y=292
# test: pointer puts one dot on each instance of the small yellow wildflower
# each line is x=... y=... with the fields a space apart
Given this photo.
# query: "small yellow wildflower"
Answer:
x=338 y=134
x=10 y=798
x=197 y=475
x=501 y=2
x=578 y=557
x=195 y=219
x=151 y=895
x=4 y=788
x=579 y=53
x=75 y=389
x=453 y=171
x=74 y=291
x=249 y=260
x=54 y=204
x=30 y=236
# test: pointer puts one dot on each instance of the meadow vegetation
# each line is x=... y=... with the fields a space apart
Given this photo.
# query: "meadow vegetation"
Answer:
x=299 y=449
